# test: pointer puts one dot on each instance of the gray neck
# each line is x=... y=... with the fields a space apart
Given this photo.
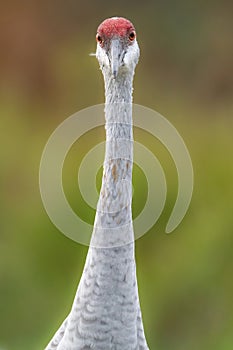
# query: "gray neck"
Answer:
x=113 y=222
x=119 y=89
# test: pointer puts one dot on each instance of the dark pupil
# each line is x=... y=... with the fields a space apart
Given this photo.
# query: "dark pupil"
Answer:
x=131 y=35
x=99 y=38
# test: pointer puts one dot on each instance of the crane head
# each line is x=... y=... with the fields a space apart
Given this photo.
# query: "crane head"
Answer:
x=117 y=48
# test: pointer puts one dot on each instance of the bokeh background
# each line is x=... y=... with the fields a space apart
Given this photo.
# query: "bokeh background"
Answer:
x=186 y=74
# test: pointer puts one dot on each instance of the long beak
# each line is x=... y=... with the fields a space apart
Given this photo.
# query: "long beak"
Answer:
x=115 y=56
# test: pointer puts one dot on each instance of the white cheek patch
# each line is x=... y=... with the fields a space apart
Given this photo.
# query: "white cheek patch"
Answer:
x=132 y=55
x=102 y=57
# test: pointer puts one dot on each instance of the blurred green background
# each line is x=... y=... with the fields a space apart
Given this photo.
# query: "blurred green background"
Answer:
x=186 y=74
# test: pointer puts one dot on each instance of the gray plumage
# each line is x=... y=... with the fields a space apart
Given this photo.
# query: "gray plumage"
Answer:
x=106 y=312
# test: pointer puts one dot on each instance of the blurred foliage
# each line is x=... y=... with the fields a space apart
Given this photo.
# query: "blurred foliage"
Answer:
x=185 y=72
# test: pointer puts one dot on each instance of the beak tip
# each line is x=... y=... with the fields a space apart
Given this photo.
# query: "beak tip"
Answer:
x=114 y=74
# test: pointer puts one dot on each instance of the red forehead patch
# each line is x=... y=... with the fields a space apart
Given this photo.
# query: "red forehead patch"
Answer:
x=115 y=26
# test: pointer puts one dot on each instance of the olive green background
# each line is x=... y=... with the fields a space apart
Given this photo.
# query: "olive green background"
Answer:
x=185 y=73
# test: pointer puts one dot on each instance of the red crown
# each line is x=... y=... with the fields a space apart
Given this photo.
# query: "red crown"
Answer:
x=116 y=26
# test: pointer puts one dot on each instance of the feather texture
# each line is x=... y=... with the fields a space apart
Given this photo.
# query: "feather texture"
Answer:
x=106 y=312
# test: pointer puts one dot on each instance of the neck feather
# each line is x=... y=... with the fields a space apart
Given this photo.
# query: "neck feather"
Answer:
x=113 y=222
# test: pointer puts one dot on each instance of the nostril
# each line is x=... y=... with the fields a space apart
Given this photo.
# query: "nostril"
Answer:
x=123 y=56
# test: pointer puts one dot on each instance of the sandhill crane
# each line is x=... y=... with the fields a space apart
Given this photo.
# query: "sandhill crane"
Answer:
x=106 y=312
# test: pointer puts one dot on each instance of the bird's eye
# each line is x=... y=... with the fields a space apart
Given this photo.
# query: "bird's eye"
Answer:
x=99 y=39
x=132 y=36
